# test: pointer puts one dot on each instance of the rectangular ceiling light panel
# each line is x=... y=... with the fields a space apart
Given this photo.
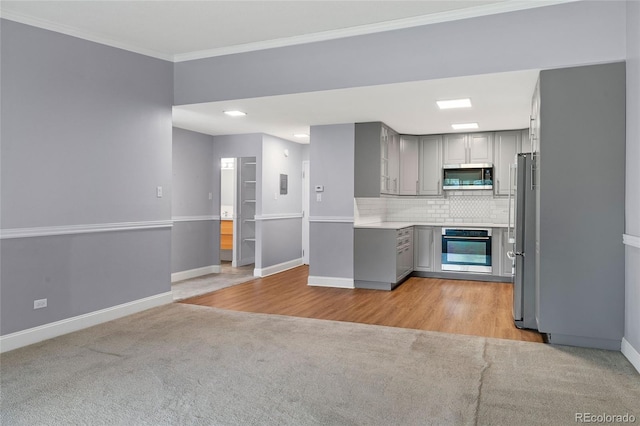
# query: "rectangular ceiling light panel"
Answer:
x=454 y=103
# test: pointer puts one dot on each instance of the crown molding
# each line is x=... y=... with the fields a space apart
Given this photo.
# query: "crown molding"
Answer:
x=453 y=15
x=397 y=24
x=85 y=35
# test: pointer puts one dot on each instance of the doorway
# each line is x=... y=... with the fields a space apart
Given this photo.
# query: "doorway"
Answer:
x=238 y=199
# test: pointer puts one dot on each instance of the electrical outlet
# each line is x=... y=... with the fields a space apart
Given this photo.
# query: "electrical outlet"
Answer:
x=40 y=303
x=159 y=192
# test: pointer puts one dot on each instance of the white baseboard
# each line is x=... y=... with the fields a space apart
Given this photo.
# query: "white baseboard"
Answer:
x=193 y=273
x=280 y=267
x=631 y=353
x=330 y=282
x=48 y=331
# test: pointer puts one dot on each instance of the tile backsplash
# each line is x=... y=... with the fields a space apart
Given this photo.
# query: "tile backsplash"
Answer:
x=370 y=210
x=457 y=206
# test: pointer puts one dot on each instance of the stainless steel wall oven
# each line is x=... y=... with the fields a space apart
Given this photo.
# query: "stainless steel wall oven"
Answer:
x=466 y=249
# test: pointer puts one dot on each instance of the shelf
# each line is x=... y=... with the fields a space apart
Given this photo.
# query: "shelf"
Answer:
x=249 y=164
x=249 y=181
x=249 y=201
x=249 y=220
x=249 y=239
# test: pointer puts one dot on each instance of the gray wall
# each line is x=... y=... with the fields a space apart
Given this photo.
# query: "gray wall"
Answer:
x=581 y=210
x=281 y=238
x=86 y=139
x=86 y=131
x=632 y=298
x=275 y=163
x=193 y=174
x=79 y=274
x=305 y=152
x=547 y=37
x=195 y=243
x=331 y=159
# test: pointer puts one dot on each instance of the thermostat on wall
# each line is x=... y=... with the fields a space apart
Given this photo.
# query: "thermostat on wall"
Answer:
x=319 y=188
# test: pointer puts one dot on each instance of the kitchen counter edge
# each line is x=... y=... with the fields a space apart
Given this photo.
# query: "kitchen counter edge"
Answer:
x=400 y=225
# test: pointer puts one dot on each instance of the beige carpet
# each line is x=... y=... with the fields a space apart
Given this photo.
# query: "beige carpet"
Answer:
x=192 y=365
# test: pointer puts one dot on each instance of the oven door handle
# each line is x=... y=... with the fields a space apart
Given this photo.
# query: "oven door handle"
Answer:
x=448 y=237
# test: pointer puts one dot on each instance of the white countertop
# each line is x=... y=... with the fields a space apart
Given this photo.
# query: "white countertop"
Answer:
x=400 y=225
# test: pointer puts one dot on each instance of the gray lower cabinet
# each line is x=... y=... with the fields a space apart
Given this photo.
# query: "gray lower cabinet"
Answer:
x=382 y=257
x=506 y=264
x=424 y=248
x=501 y=264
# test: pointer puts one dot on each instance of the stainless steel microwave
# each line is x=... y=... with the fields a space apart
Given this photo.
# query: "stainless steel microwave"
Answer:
x=467 y=176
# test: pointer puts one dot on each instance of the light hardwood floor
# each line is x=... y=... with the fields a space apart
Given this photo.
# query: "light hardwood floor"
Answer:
x=450 y=306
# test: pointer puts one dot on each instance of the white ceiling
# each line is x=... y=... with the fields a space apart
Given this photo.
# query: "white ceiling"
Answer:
x=499 y=101
x=181 y=30
x=168 y=29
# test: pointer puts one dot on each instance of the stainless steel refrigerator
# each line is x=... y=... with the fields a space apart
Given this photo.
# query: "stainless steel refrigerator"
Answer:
x=524 y=243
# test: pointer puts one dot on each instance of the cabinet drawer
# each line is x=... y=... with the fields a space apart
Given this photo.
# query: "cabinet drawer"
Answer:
x=226 y=242
x=226 y=227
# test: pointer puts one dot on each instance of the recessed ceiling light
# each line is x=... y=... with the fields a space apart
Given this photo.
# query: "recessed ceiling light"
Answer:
x=454 y=103
x=300 y=135
x=234 y=113
x=464 y=126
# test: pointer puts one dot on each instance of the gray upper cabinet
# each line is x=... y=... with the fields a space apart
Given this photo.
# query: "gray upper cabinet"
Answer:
x=393 y=157
x=409 y=155
x=377 y=157
x=455 y=149
x=507 y=145
x=525 y=144
x=385 y=146
x=480 y=147
x=468 y=148
x=534 y=120
x=430 y=164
